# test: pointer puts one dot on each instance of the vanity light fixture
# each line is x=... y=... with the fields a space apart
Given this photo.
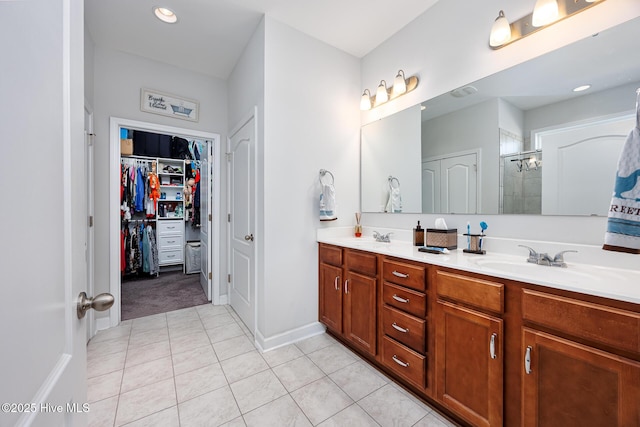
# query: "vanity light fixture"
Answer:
x=401 y=85
x=165 y=15
x=382 y=93
x=365 y=101
x=501 y=31
x=545 y=13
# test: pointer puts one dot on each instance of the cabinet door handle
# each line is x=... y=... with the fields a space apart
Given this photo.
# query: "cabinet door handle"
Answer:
x=335 y=283
x=492 y=345
x=402 y=300
x=398 y=274
x=527 y=360
x=400 y=362
x=398 y=328
x=346 y=286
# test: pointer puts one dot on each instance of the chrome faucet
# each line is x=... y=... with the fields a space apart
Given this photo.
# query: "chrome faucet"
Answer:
x=545 y=258
x=382 y=237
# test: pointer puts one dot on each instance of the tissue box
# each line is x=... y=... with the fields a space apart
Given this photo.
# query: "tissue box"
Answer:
x=442 y=238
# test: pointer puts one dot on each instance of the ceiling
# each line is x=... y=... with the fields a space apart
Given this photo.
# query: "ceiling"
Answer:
x=211 y=34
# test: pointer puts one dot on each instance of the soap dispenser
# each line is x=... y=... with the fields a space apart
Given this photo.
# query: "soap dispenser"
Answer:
x=418 y=235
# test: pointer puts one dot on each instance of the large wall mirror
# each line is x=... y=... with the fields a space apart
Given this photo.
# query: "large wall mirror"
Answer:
x=517 y=142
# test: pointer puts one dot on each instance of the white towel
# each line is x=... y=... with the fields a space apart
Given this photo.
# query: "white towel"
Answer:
x=394 y=202
x=328 y=203
x=623 y=224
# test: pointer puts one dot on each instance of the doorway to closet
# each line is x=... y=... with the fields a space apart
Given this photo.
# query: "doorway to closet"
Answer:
x=164 y=218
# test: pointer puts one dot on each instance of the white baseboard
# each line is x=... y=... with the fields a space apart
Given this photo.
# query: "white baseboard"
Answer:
x=103 y=323
x=288 y=337
x=223 y=300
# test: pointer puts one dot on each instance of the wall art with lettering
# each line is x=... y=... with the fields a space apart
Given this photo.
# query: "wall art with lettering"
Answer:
x=153 y=101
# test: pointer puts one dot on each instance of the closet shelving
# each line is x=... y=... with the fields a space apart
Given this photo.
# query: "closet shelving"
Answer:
x=170 y=212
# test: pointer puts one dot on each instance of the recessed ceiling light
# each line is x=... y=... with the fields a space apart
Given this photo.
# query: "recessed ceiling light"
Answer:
x=581 y=88
x=165 y=15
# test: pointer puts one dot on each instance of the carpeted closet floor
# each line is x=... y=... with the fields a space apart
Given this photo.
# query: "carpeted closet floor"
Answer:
x=152 y=295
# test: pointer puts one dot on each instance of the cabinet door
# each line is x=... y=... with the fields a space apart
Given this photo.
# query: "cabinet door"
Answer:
x=570 y=384
x=360 y=310
x=330 y=309
x=469 y=363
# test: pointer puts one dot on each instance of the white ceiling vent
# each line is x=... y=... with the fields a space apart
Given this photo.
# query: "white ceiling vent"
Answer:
x=463 y=91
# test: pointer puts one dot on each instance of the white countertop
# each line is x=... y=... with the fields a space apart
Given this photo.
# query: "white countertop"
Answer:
x=603 y=281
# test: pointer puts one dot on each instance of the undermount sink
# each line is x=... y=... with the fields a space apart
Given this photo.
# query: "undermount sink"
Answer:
x=573 y=273
x=529 y=269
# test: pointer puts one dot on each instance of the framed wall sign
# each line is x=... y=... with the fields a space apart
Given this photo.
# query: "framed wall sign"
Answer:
x=153 y=101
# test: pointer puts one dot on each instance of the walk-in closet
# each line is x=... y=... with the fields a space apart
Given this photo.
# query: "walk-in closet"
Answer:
x=163 y=179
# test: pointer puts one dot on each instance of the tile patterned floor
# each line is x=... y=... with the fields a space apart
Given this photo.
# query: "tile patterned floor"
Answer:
x=198 y=367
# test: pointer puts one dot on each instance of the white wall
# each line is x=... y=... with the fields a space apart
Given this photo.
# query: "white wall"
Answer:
x=118 y=78
x=447 y=48
x=445 y=135
x=312 y=122
x=389 y=148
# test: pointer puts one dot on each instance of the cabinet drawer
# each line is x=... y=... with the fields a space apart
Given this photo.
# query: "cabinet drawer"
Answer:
x=361 y=262
x=404 y=328
x=173 y=256
x=170 y=227
x=405 y=299
x=468 y=290
x=409 y=275
x=165 y=241
x=331 y=255
x=404 y=361
x=595 y=322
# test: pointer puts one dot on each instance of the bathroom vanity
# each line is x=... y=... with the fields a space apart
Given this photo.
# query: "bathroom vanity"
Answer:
x=490 y=340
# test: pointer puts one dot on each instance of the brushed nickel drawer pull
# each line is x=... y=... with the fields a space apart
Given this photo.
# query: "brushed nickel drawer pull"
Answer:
x=401 y=275
x=346 y=286
x=527 y=360
x=335 y=283
x=398 y=328
x=400 y=362
x=492 y=346
x=402 y=300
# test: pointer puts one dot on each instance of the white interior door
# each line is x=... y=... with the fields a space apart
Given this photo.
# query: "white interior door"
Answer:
x=431 y=186
x=205 y=219
x=459 y=184
x=579 y=166
x=89 y=180
x=43 y=265
x=242 y=292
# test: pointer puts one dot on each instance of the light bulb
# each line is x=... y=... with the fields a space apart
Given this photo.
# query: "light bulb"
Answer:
x=365 y=100
x=544 y=12
x=500 y=31
x=165 y=15
x=399 y=84
x=381 y=94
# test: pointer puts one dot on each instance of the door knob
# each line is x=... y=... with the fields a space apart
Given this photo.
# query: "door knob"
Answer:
x=100 y=302
x=248 y=237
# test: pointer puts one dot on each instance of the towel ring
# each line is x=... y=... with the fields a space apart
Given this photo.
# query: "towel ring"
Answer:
x=391 y=179
x=323 y=173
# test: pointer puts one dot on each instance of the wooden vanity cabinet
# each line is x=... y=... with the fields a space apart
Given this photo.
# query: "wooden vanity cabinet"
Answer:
x=566 y=382
x=347 y=295
x=469 y=357
x=403 y=323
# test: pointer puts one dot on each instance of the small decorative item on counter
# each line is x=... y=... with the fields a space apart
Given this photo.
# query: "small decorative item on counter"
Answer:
x=418 y=235
x=358 y=227
x=441 y=236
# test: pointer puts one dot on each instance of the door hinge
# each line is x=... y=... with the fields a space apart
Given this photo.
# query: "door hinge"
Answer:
x=210 y=276
x=228 y=278
x=90 y=221
x=228 y=217
x=229 y=156
x=210 y=217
